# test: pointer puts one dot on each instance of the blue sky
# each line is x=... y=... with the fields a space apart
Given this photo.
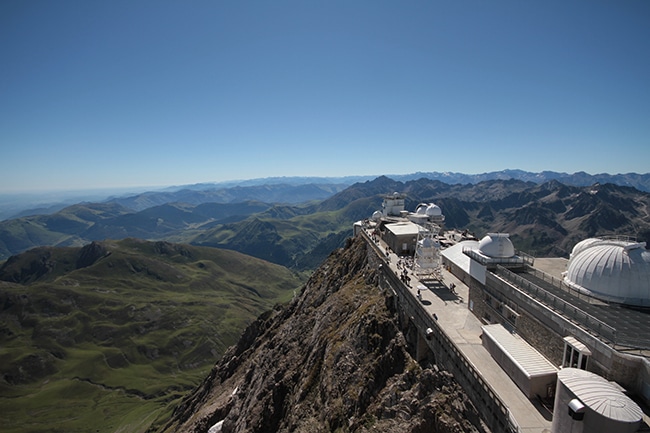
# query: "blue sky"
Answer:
x=128 y=93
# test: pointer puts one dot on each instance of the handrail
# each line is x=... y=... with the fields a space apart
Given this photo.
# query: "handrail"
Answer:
x=462 y=366
x=597 y=326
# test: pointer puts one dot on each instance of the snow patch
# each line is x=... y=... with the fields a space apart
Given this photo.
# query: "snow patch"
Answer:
x=216 y=428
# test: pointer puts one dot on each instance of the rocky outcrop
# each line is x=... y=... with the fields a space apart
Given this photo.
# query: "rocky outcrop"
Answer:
x=334 y=359
x=90 y=253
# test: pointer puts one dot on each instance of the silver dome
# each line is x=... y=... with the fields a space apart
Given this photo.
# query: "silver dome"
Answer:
x=497 y=246
x=611 y=270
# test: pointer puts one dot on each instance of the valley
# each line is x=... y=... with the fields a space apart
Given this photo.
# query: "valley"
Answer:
x=116 y=331
x=124 y=311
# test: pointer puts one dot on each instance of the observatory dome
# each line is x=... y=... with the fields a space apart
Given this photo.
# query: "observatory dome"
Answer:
x=428 y=209
x=612 y=270
x=433 y=210
x=497 y=245
x=584 y=244
x=606 y=408
x=376 y=216
x=429 y=243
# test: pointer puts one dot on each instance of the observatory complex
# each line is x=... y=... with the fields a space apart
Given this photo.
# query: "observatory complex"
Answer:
x=572 y=334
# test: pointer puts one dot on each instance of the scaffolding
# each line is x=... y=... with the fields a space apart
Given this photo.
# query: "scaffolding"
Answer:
x=427 y=261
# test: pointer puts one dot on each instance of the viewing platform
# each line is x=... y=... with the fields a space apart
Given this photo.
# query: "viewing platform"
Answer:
x=443 y=302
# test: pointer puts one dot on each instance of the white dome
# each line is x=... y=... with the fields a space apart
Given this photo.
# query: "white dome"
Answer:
x=434 y=210
x=429 y=243
x=599 y=395
x=428 y=209
x=377 y=215
x=584 y=244
x=616 y=271
x=497 y=245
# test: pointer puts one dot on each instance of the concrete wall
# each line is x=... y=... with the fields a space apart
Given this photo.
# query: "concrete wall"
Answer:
x=545 y=330
x=494 y=413
x=549 y=343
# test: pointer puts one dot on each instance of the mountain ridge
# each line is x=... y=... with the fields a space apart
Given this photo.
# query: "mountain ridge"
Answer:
x=16 y=205
x=114 y=329
x=333 y=359
x=543 y=219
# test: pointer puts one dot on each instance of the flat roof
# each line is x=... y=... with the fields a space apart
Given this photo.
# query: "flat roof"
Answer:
x=403 y=228
x=454 y=254
x=523 y=354
x=577 y=345
x=553 y=266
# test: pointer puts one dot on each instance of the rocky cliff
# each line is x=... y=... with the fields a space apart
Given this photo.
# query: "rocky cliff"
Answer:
x=332 y=360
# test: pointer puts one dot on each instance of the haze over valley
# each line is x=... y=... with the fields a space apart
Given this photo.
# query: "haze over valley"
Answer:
x=96 y=293
x=180 y=184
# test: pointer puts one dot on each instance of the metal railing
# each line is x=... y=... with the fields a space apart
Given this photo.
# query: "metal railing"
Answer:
x=597 y=327
x=621 y=338
x=490 y=261
x=495 y=413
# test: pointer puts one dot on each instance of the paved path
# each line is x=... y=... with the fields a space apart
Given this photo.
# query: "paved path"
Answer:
x=464 y=329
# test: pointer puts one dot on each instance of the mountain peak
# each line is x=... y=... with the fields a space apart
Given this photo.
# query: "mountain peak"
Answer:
x=334 y=359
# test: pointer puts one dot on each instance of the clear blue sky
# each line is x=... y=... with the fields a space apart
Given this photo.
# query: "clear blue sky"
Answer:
x=127 y=93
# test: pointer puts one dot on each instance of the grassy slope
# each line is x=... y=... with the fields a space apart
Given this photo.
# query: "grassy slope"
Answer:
x=105 y=348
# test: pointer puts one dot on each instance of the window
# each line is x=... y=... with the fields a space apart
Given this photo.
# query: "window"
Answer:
x=576 y=354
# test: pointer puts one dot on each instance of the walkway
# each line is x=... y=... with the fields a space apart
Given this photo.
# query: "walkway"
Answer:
x=464 y=329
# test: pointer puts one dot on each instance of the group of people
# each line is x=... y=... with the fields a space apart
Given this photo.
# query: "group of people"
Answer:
x=405 y=263
x=404 y=276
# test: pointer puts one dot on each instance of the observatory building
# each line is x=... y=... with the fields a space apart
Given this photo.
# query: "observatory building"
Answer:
x=410 y=234
x=611 y=270
x=585 y=402
x=572 y=334
x=590 y=312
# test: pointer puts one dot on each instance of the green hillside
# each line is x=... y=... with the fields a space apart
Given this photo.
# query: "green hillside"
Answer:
x=102 y=338
x=542 y=219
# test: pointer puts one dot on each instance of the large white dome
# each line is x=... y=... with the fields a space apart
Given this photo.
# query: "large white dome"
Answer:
x=497 y=246
x=611 y=270
x=584 y=244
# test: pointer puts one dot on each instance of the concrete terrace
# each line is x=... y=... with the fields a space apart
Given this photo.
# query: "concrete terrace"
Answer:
x=464 y=329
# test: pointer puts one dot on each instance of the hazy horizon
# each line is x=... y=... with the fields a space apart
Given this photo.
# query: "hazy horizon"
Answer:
x=117 y=94
x=141 y=188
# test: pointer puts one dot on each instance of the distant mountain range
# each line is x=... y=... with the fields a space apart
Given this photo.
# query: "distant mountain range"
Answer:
x=121 y=326
x=638 y=181
x=543 y=219
x=291 y=190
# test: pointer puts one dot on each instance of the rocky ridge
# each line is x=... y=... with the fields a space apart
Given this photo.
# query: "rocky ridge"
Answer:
x=332 y=360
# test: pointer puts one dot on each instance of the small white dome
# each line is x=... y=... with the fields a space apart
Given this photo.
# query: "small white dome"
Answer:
x=497 y=245
x=376 y=216
x=434 y=210
x=611 y=270
x=428 y=209
x=429 y=243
